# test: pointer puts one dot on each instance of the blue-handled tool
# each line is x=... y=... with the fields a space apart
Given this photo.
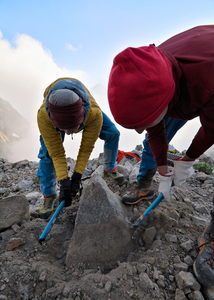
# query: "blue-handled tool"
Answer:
x=142 y=218
x=51 y=222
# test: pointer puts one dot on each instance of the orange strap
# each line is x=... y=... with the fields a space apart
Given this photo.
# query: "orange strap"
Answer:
x=121 y=154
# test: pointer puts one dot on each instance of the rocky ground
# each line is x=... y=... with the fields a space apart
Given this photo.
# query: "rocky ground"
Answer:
x=158 y=265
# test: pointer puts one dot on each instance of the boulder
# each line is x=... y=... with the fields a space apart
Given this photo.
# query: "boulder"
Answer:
x=101 y=234
x=13 y=210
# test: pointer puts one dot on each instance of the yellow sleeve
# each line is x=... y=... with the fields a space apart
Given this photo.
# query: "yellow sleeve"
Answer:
x=53 y=143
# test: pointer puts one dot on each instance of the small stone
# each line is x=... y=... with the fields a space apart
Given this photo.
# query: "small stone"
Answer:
x=179 y=295
x=108 y=286
x=151 y=260
x=149 y=235
x=16 y=228
x=156 y=275
x=135 y=210
x=171 y=238
x=187 y=280
x=161 y=283
x=188 y=202
x=3 y=287
x=173 y=214
x=141 y=268
x=181 y=266
x=100 y=285
x=42 y=276
x=146 y=282
x=131 y=283
x=188 y=260
x=131 y=294
x=177 y=259
x=195 y=295
x=187 y=246
x=14 y=243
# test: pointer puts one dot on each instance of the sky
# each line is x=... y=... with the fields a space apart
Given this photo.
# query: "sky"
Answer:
x=41 y=41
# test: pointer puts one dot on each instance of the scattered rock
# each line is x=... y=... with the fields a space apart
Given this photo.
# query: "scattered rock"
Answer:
x=92 y=251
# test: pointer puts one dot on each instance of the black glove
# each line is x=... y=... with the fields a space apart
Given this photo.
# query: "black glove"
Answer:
x=65 y=192
x=75 y=183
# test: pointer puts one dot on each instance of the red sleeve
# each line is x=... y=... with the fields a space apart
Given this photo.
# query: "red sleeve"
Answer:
x=202 y=141
x=158 y=143
x=204 y=138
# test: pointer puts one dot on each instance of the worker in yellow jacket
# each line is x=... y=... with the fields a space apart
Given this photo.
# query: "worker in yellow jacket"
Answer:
x=67 y=108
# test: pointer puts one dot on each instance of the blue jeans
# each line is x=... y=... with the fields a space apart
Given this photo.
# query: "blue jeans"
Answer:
x=110 y=134
x=148 y=161
x=46 y=172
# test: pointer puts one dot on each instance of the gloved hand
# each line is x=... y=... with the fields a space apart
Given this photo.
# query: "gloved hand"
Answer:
x=65 y=192
x=165 y=183
x=75 y=183
x=183 y=170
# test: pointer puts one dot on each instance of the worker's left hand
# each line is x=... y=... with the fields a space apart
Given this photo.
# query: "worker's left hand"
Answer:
x=165 y=183
x=183 y=169
x=75 y=183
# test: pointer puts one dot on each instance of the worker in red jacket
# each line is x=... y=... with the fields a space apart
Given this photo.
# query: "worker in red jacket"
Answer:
x=158 y=89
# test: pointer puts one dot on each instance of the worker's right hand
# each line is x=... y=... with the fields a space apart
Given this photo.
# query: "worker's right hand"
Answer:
x=165 y=183
x=65 y=192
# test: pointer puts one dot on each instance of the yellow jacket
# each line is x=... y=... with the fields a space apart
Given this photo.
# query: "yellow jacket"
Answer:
x=90 y=128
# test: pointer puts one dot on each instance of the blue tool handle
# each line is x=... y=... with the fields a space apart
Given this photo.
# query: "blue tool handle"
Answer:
x=154 y=204
x=142 y=218
x=51 y=222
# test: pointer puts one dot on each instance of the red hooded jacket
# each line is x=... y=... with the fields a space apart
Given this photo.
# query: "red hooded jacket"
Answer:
x=192 y=56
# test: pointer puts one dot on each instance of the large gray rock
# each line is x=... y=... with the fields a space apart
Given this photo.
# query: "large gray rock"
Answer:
x=13 y=210
x=101 y=234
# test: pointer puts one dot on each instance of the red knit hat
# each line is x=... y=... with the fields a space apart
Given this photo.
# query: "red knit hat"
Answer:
x=140 y=86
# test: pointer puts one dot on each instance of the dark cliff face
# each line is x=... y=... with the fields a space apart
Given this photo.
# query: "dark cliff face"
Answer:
x=12 y=124
x=13 y=127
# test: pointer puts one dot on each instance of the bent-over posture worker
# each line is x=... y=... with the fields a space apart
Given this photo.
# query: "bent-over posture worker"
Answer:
x=159 y=89
x=68 y=107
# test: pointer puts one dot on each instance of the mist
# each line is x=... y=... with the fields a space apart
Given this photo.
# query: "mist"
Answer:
x=26 y=70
